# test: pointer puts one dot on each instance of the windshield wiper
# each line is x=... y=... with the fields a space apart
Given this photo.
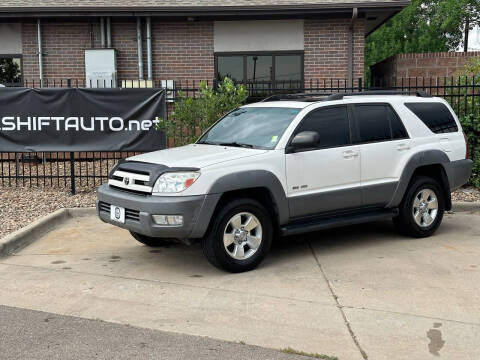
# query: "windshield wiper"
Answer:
x=236 y=144
x=207 y=142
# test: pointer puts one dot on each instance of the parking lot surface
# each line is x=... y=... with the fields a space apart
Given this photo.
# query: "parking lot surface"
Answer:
x=29 y=334
x=356 y=292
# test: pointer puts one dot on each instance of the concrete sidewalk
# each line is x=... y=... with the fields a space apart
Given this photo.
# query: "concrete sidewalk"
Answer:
x=355 y=292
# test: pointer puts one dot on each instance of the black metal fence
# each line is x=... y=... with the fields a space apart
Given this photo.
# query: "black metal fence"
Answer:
x=83 y=171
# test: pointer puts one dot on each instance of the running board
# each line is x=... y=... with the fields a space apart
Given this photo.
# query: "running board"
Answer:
x=300 y=227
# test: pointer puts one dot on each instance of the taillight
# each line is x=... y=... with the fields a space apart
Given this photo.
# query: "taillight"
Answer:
x=467 y=153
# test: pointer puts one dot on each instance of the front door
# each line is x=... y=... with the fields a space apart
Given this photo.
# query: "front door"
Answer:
x=325 y=178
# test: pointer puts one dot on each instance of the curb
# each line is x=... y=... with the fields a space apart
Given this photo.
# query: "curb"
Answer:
x=466 y=206
x=28 y=234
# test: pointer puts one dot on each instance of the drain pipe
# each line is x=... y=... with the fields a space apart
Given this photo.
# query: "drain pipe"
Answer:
x=40 y=54
x=109 y=33
x=139 y=48
x=102 y=31
x=350 y=47
x=149 y=47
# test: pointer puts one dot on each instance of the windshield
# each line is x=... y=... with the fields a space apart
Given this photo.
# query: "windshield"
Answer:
x=255 y=127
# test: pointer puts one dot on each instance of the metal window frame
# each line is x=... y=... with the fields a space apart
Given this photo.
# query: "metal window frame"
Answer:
x=273 y=54
x=15 y=56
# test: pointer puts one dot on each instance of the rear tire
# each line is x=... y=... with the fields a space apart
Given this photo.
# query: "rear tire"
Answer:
x=150 y=241
x=422 y=208
x=239 y=237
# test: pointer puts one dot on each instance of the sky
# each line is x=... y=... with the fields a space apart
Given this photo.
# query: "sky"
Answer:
x=474 y=40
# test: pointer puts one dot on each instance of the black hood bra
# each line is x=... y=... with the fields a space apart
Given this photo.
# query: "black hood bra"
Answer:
x=152 y=170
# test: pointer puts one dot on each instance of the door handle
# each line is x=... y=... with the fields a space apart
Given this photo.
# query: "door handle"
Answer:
x=403 y=147
x=445 y=144
x=349 y=154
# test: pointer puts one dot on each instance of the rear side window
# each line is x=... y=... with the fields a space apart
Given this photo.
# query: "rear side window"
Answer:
x=378 y=122
x=330 y=123
x=435 y=115
x=398 y=130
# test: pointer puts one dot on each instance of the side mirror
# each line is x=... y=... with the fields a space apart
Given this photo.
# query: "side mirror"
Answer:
x=304 y=140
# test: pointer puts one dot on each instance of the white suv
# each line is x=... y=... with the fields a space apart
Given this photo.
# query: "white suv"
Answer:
x=280 y=167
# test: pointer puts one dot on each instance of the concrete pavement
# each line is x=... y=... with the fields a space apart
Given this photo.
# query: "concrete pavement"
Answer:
x=355 y=292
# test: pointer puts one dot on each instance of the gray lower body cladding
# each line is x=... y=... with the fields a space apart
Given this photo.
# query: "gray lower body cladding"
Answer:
x=458 y=172
x=196 y=211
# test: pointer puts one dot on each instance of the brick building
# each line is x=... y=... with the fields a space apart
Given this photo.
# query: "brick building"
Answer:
x=270 y=42
x=428 y=65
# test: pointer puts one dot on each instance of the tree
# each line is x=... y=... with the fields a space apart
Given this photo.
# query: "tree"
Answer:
x=459 y=17
x=191 y=116
x=9 y=71
x=423 y=26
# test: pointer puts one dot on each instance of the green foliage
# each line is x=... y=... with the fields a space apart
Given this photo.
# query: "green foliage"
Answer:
x=472 y=67
x=471 y=127
x=9 y=71
x=423 y=26
x=191 y=116
x=464 y=97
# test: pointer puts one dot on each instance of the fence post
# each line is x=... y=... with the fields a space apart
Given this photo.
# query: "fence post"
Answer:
x=360 y=84
x=72 y=158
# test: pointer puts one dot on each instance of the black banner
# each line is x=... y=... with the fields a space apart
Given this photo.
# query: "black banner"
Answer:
x=74 y=119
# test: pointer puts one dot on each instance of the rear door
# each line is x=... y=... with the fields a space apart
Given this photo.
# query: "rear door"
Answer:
x=441 y=122
x=327 y=177
x=385 y=147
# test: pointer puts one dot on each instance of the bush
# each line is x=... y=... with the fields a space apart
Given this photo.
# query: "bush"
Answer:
x=192 y=116
x=471 y=127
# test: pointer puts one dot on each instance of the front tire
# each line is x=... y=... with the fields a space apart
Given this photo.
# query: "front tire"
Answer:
x=150 y=241
x=422 y=208
x=239 y=237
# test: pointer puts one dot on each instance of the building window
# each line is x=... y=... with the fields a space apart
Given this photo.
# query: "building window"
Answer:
x=262 y=71
x=10 y=69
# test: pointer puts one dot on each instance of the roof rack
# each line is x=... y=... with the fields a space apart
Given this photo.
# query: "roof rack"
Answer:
x=418 y=93
x=318 y=96
x=322 y=96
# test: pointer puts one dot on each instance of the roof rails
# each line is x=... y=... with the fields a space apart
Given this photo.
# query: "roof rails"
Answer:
x=418 y=93
x=299 y=96
x=322 y=96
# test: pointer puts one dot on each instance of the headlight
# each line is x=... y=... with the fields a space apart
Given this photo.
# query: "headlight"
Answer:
x=174 y=182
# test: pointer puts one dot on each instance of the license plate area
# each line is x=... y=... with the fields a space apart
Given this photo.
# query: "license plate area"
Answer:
x=117 y=213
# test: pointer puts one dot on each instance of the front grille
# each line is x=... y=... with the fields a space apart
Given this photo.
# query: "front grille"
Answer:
x=133 y=182
x=130 y=214
x=128 y=190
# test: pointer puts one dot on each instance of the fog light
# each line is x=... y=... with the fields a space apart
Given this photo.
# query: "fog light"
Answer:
x=168 y=219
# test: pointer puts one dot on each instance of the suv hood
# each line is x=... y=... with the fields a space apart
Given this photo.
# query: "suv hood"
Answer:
x=196 y=155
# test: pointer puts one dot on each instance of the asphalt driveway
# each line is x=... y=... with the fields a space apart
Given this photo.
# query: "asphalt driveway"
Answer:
x=356 y=292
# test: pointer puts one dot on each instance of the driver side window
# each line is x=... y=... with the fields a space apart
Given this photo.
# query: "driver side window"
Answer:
x=331 y=124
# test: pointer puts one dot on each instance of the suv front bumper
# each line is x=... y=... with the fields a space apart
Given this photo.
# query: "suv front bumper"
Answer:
x=196 y=211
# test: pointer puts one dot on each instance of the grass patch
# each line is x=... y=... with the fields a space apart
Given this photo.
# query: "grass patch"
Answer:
x=289 y=350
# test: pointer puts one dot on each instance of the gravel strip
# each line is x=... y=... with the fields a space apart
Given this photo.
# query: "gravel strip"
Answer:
x=20 y=206
x=466 y=194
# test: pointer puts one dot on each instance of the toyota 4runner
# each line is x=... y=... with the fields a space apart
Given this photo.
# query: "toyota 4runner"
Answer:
x=290 y=165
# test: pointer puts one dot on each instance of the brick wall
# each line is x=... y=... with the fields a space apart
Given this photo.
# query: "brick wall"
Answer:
x=180 y=50
x=431 y=65
x=326 y=49
x=63 y=45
